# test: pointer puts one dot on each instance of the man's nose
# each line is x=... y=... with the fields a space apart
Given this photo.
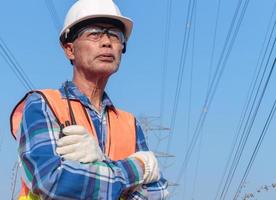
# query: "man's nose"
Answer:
x=105 y=40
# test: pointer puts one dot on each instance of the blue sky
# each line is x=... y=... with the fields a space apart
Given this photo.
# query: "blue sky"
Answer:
x=28 y=31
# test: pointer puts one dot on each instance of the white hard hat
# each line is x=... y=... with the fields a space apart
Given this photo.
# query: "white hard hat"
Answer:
x=84 y=10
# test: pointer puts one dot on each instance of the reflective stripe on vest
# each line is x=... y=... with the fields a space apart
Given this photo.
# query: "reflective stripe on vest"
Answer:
x=121 y=128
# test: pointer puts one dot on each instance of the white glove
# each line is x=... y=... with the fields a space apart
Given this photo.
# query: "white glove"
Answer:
x=78 y=145
x=151 y=173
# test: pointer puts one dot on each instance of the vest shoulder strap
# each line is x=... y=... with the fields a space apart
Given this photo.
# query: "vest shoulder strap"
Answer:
x=59 y=108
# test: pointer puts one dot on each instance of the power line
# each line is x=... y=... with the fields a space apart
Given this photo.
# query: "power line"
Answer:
x=209 y=78
x=181 y=69
x=53 y=13
x=257 y=147
x=249 y=122
x=227 y=48
x=213 y=45
x=15 y=66
x=165 y=58
x=246 y=108
x=194 y=19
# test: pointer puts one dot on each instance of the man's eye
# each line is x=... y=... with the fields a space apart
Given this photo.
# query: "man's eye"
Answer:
x=95 y=33
x=112 y=34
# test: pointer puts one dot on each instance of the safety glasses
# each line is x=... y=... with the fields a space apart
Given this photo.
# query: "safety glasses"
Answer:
x=95 y=33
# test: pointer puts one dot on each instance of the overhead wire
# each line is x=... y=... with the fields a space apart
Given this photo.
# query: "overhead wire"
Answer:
x=159 y=137
x=213 y=45
x=209 y=79
x=15 y=66
x=252 y=113
x=246 y=107
x=260 y=140
x=53 y=13
x=20 y=73
x=241 y=147
x=165 y=59
x=189 y=110
x=197 y=165
x=23 y=78
x=180 y=71
x=189 y=104
x=227 y=48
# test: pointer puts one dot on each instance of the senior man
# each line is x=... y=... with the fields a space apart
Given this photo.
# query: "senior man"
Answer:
x=73 y=142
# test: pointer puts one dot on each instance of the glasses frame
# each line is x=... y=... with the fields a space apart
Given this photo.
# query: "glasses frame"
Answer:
x=113 y=33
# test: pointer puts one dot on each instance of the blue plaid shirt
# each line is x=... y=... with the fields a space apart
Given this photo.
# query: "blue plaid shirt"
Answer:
x=47 y=175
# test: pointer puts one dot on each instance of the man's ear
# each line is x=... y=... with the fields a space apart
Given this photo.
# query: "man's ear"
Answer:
x=69 y=50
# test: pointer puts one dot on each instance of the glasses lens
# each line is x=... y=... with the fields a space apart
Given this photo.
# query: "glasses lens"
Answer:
x=96 y=33
x=92 y=33
x=116 y=35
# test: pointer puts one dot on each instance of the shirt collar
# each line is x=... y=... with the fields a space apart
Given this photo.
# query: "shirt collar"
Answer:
x=75 y=94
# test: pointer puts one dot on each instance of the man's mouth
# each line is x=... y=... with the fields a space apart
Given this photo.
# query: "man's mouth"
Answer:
x=106 y=57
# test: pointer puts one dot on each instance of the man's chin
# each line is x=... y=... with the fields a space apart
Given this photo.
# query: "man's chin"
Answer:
x=105 y=71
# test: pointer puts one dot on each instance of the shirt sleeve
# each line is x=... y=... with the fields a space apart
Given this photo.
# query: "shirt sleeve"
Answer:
x=153 y=191
x=51 y=177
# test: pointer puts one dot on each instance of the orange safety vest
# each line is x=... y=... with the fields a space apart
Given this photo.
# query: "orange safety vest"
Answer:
x=121 y=128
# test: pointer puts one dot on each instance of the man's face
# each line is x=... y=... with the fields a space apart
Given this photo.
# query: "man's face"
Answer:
x=97 y=50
